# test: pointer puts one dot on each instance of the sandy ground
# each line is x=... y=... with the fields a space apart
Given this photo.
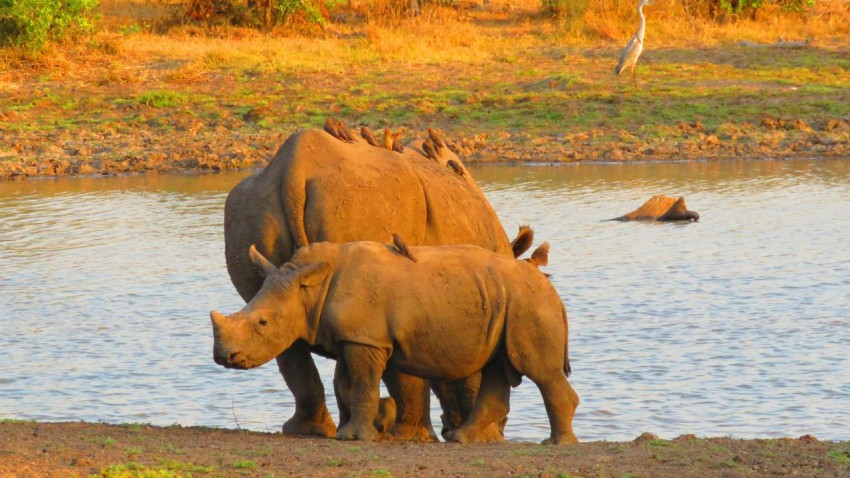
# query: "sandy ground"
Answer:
x=31 y=449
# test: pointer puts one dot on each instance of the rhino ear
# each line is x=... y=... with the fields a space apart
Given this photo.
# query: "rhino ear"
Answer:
x=541 y=255
x=266 y=267
x=313 y=274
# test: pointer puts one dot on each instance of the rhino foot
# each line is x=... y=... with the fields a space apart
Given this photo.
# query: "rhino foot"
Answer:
x=415 y=433
x=565 y=439
x=352 y=431
x=490 y=434
x=298 y=426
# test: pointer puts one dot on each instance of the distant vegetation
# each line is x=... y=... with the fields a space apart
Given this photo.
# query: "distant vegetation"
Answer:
x=31 y=24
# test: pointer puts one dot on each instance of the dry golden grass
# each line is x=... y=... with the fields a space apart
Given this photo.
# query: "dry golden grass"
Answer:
x=379 y=32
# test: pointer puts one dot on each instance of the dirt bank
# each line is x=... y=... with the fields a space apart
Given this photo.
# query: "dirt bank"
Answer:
x=30 y=449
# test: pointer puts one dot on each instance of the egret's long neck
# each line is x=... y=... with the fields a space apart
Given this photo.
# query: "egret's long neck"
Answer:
x=642 y=28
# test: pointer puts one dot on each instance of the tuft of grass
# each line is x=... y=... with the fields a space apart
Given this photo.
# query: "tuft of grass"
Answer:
x=14 y=420
x=103 y=441
x=245 y=465
x=333 y=462
x=133 y=451
x=188 y=467
x=161 y=98
x=134 y=470
x=660 y=442
x=841 y=457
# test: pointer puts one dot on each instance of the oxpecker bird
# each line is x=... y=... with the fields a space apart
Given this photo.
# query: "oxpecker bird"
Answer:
x=332 y=129
x=344 y=133
x=399 y=244
x=366 y=134
x=634 y=48
x=397 y=147
x=439 y=144
x=429 y=149
x=456 y=167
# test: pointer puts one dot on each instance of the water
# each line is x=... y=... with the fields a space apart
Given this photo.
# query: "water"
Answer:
x=733 y=326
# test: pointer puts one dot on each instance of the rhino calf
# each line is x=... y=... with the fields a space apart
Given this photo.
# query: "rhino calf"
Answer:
x=456 y=311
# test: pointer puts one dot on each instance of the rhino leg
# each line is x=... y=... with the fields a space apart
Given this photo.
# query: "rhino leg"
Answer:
x=364 y=366
x=457 y=399
x=413 y=412
x=491 y=407
x=301 y=376
x=561 y=402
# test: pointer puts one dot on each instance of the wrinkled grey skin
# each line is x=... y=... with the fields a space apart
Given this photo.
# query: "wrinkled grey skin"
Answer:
x=456 y=311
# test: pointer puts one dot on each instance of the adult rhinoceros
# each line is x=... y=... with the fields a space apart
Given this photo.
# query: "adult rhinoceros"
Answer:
x=318 y=188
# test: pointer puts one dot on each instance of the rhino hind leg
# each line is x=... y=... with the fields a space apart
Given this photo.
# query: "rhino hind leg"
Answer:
x=301 y=376
x=561 y=402
x=413 y=412
x=492 y=405
x=457 y=400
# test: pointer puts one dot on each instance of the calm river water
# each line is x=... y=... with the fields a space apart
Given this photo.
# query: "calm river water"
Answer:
x=738 y=325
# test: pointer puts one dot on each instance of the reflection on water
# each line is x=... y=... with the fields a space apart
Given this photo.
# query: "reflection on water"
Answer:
x=736 y=325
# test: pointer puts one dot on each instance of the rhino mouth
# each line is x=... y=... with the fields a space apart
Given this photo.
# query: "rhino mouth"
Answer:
x=235 y=360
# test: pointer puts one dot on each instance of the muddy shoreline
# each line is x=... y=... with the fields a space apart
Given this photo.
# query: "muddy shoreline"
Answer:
x=33 y=449
x=151 y=154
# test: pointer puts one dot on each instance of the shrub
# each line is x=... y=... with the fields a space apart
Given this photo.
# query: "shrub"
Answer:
x=33 y=23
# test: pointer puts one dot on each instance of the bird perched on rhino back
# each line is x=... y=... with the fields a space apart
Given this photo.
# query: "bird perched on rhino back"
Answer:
x=333 y=129
x=630 y=54
x=388 y=139
x=366 y=134
x=435 y=137
x=401 y=247
x=397 y=146
x=456 y=167
x=344 y=133
x=430 y=149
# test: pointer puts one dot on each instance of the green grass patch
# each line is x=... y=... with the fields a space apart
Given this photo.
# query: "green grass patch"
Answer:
x=245 y=465
x=103 y=441
x=161 y=98
x=133 y=451
x=174 y=465
x=134 y=470
x=14 y=420
x=841 y=457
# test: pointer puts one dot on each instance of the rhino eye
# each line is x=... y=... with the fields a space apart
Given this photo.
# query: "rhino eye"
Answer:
x=264 y=322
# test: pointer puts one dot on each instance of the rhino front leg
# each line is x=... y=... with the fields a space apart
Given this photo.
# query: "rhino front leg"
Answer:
x=491 y=407
x=301 y=376
x=413 y=413
x=364 y=365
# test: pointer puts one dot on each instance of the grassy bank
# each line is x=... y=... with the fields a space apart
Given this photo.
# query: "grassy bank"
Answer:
x=30 y=449
x=505 y=84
